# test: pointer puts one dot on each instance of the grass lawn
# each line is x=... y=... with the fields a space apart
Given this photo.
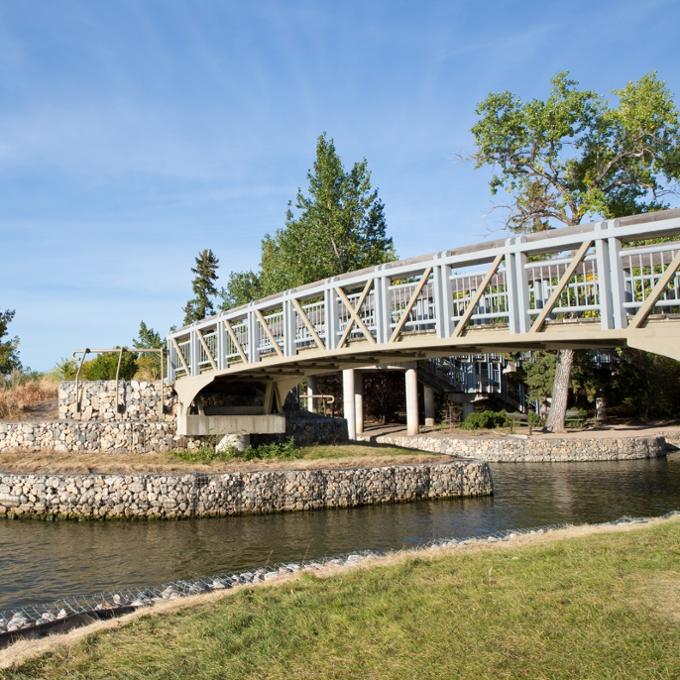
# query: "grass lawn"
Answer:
x=598 y=606
x=338 y=455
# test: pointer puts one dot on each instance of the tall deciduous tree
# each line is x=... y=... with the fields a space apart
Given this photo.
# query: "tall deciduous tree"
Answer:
x=575 y=155
x=9 y=348
x=203 y=286
x=336 y=226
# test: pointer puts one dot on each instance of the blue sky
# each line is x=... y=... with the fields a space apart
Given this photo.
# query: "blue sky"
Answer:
x=133 y=134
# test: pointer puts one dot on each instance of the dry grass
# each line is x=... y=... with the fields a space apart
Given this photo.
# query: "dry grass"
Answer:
x=313 y=457
x=560 y=605
x=20 y=400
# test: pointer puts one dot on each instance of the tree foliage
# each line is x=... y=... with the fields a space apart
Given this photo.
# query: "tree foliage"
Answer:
x=539 y=373
x=103 y=367
x=9 y=348
x=203 y=287
x=575 y=155
x=337 y=225
x=148 y=364
x=147 y=338
x=241 y=288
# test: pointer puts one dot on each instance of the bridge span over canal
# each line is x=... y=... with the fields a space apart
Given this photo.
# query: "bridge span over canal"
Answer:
x=598 y=285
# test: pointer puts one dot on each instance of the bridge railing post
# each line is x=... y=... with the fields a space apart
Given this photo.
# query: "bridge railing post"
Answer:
x=193 y=352
x=331 y=316
x=510 y=262
x=383 y=306
x=221 y=345
x=253 y=338
x=445 y=311
x=604 y=276
x=289 y=327
x=521 y=289
x=443 y=303
x=172 y=362
x=616 y=279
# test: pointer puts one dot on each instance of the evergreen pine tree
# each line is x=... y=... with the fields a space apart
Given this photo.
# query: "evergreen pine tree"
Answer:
x=203 y=286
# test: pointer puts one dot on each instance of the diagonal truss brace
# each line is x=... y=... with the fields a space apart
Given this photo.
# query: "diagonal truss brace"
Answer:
x=481 y=289
x=354 y=314
x=308 y=324
x=557 y=291
x=414 y=298
x=236 y=343
x=648 y=305
x=180 y=355
x=268 y=333
x=204 y=344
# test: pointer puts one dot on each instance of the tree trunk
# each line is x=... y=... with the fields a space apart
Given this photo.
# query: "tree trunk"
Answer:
x=560 y=391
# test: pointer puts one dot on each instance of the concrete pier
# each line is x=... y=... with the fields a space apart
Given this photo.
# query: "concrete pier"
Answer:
x=411 y=380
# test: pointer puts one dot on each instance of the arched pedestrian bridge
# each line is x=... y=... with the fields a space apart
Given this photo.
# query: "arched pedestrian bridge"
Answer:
x=598 y=285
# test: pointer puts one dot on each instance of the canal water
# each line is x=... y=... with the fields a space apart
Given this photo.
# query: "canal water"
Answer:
x=44 y=561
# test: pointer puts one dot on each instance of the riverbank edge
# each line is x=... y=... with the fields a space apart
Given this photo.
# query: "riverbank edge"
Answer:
x=194 y=495
x=25 y=650
x=526 y=449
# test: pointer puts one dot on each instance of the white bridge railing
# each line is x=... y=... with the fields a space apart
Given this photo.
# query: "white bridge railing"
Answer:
x=615 y=274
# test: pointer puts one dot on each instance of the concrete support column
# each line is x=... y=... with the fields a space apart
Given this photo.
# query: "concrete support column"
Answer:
x=359 y=401
x=428 y=404
x=311 y=389
x=411 y=380
x=348 y=405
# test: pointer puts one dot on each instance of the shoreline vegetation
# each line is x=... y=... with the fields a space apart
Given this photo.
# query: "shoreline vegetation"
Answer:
x=587 y=601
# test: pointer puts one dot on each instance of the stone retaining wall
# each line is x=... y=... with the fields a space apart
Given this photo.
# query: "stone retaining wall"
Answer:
x=100 y=496
x=522 y=449
x=73 y=436
x=137 y=400
x=129 y=436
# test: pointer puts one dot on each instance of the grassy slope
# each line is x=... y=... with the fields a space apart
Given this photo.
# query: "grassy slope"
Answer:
x=602 y=606
x=340 y=455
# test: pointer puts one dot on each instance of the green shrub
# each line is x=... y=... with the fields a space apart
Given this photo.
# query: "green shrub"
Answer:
x=534 y=419
x=103 y=367
x=485 y=420
x=275 y=450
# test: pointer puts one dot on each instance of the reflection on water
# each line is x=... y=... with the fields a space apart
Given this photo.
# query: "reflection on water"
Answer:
x=41 y=561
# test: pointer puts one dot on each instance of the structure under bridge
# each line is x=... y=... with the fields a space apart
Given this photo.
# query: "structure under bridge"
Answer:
x=598 y=286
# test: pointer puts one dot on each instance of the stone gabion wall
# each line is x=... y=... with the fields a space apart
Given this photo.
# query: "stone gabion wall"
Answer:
x=93 y=437
x=129 y=436
x=534 y=449
x=198 y=495
x=139 y=399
